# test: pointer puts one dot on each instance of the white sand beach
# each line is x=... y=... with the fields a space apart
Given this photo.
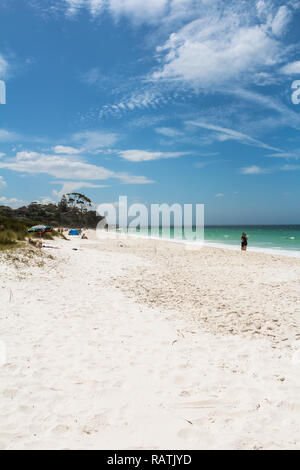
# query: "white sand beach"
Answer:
x=140 y=344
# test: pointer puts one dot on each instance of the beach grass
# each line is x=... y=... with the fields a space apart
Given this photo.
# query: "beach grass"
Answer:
x=49 y=235
x=13 y=231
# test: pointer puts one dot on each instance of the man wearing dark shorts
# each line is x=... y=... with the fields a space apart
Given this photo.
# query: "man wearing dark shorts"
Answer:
x=244 y=242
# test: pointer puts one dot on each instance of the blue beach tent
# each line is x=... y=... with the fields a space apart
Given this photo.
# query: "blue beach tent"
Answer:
x=74 y=232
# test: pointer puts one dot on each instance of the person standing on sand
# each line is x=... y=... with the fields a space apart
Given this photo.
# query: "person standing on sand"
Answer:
x=244 y=242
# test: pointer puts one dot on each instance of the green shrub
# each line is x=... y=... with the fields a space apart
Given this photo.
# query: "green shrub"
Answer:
x=14 y=228
x=44 y=236
x=8 y=237
x=58 y=234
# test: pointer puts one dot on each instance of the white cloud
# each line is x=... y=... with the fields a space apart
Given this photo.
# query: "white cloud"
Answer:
x=147 y=98
x=290 y=168
x=222 y=45
x=144 y=156
x=46 y=200
x=2 y=183
x=2 y=154
x=169 y=132
x=290 y=154
x=93 y=140
x=223 y=134
x=253 y=170
x=73 y=6
x=92 y=77
x=54 y=165
x=96 y=6
x=219 y=195
x=7 y=136
x=262 y=9
x=13 y=202
x=66 y=150
x=265 y=79
x=70 y=186
x=205 y=163
x=89 y=141
x=137 y=10
x=130 y=179
x=288 y=117
x=291 y=68
x=171 y=11
x=65 y=167
x=4 y=67
x=281 y=20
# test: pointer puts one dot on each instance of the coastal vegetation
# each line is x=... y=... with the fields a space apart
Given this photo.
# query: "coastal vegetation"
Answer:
x=74 y=210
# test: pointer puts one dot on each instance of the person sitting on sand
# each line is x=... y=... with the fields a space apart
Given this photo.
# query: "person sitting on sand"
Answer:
x=244 y=242
x=31 y=242
x=84 y=237
x=36 y=244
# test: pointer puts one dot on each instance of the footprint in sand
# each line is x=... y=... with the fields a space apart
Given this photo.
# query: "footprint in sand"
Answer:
x=10 y=393
x=61 y=429
x=188 y=434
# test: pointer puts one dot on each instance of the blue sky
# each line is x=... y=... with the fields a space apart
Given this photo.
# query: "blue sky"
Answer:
x=186 y=101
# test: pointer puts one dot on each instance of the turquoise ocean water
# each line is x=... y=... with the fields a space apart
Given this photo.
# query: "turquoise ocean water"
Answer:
x=266 y=237
x=283 y=237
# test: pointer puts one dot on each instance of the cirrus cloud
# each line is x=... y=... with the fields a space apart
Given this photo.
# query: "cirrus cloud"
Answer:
x=12 y=202
x=70 y=186
x=4 y=67
x=223 y=133
x=66 y=150
x=144 y=156
x=253 y=170
x=137 y=10
x=221 y=46
x=2 y=182
x=7 y=136
x=93 y=140
x=291 y=68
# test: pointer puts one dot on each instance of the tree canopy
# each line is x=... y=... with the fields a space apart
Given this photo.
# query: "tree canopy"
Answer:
x=74 y=210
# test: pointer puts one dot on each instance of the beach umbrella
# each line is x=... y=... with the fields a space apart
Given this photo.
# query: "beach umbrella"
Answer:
x=40 y=229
